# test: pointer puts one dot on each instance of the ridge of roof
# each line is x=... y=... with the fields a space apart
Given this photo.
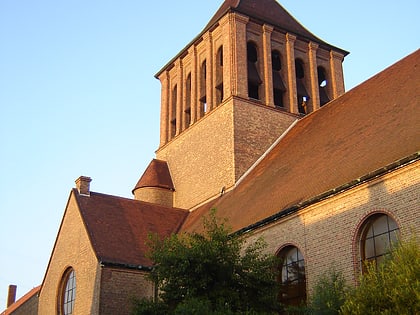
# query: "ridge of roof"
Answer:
x=21 y=301
x=119 y=227
x=156 y=175
x=331 y=147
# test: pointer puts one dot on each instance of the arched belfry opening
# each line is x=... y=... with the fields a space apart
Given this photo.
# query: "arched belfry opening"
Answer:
x=203 y=88
x=219 y=76
x=301 y=91
x=323 y=86
x=254 y=79
x=279 y=88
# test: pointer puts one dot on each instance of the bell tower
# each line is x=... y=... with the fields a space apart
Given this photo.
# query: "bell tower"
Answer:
x=236 y=88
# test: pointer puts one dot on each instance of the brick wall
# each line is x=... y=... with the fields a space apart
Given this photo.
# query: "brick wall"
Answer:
x=327 y=233
x=119 y=288
x=219 y=148
x=160 y=196
x=72 y=249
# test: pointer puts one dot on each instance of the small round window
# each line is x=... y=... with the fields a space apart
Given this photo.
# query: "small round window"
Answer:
x=68 y=292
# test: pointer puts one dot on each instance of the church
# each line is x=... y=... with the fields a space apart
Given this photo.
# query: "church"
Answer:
x=256 y=123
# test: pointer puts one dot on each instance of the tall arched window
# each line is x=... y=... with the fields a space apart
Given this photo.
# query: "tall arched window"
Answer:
x=219 y=76
x=67 y=294
x=379 y=233
x=278 y=85
x=254 y=80
x=292 y=276
x=302 y=93
x=322 y=82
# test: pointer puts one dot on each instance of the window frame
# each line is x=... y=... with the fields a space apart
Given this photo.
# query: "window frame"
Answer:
x=368 y=226
x=294 y=292
x=65 y=305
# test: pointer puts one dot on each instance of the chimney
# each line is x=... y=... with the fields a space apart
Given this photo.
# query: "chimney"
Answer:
x=83 y=185
x=11 y=296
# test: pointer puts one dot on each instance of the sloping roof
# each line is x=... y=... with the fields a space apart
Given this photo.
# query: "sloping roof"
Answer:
x=119 y=227
x=369 y=127
x=261 y=11
x=266 y=11
x=156 y=175
x=21 y=301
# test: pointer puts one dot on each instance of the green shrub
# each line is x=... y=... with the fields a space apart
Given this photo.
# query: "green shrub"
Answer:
x=391 y=288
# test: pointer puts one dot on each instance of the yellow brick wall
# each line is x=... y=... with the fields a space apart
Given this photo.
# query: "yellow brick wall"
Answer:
x=219 y=148
x=119 y=287
x=72 y=249
x=99 y=289
x=327 y=233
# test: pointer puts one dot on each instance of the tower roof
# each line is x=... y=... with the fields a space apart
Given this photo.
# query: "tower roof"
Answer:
x=260 y=11
x=266 y=11
x=156 y=175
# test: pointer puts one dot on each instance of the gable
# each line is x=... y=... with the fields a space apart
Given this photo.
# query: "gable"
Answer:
x=73 y=249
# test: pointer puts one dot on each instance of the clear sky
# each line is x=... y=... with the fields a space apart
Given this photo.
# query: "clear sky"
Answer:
x=78 y=97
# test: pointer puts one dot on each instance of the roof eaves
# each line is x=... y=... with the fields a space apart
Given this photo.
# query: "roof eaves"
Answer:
x=125 y=266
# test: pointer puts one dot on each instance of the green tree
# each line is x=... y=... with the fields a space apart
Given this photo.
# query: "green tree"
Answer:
x=329 y=293
x=391 y=288
x=212 y=273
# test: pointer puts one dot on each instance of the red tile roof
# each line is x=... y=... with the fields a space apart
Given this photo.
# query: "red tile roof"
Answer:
x=369 y=127
x=118 y=227
x=21 y=301
x=156 y=175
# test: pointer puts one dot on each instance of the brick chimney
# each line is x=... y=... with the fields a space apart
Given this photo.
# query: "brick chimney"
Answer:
x=83 y=185
x=11 y=296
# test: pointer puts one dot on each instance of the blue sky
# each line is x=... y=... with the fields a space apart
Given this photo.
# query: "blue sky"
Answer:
x=78 y=97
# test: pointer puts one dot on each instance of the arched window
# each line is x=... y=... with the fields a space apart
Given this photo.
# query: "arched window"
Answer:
x=292 y=276
x=278 y=85
x=219 y=76
x=302 y=93
x=254 y=80
x=379 y=233
x=67 y=294
x=322 y=82
x=203 y=86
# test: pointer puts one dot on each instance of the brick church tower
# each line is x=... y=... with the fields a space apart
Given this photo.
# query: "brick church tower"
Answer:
x=230 y=94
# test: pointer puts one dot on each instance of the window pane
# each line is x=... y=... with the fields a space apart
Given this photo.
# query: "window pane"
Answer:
x=69 y=293
x=292 y=277
x=381 y=234
x=380 y=225
x=382 y=244
x=392 y=224
x=369 y=232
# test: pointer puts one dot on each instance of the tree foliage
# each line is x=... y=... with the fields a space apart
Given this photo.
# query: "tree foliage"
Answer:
x=391 y=288
x=212 y=273
x=329 y=293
